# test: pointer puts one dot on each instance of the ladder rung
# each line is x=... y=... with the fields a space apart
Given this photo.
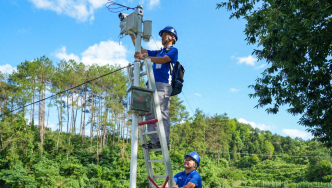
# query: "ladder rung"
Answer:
x=152 y=132
x=160 y=176
x=157 y=149
x=148 y=122
x=159 y=160
x=142 y=74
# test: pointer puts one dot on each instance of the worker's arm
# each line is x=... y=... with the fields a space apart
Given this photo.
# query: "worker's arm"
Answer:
x=158 y=60
x=132 y=36
x=189 y=185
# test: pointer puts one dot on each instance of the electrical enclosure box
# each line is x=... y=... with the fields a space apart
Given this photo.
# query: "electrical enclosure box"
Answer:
x=132 y=22
x=123 y=26
x=139 y=99
x=147 y=30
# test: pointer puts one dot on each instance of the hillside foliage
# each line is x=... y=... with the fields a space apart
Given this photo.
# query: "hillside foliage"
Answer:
x=89 y=145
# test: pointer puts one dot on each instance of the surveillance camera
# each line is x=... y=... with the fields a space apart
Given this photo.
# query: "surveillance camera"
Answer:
x=122 y=16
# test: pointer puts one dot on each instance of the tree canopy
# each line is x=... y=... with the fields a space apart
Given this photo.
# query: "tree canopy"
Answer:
x=295 y=38
x=90 y=144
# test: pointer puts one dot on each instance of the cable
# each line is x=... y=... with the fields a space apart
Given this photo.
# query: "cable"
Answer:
x=67 y=90
x=155 y=42
x=117 y=7
x=187 y=102
x=256 y=154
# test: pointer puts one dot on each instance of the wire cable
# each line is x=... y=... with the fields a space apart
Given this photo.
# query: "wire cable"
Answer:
x=294 y=156
x=188 y=102
x=114 y=7
x=67 y=89
x=155 y=42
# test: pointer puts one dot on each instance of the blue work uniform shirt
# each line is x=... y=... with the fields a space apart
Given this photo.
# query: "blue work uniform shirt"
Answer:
x=182 y=179
x=162 y=72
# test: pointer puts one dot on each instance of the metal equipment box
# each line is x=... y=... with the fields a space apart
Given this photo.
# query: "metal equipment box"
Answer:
x=147 y=30
x=132 y=23
x=139 y=99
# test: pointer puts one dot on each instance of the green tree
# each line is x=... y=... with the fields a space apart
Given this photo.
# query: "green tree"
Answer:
x=296 y=40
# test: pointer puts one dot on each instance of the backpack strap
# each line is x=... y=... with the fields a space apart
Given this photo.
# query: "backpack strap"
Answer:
x=157 y=53
x=170 y=64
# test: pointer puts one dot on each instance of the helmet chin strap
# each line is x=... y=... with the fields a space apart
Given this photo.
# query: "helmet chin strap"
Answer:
x=166 y=42
x=191 y=167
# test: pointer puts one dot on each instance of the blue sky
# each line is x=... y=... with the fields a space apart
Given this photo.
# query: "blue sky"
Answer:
x=218 y=61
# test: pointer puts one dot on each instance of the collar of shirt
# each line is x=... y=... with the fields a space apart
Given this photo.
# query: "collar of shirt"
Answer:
x=188 y=173
x=168 y=47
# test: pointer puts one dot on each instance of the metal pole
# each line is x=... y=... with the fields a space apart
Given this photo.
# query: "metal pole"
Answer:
x=134 y=130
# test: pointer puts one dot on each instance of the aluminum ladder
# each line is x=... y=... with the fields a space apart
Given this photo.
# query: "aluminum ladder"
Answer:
x=160 y=130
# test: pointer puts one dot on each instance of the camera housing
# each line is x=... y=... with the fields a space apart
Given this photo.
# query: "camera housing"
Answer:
x=122 y=16
x=129 y=23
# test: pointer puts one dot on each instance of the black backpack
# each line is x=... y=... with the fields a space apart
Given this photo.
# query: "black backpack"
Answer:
x=177 y=79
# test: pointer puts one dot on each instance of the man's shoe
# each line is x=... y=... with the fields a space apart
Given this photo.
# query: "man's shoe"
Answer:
x=153 y=146
x=148 y=146
x=157 y=145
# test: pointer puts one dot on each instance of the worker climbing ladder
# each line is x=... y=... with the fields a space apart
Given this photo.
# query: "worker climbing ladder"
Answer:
x=140 y=96
x=140 y=101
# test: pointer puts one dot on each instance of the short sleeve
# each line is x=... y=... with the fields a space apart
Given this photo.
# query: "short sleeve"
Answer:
x=196 y=179
x=176 y=178
x=152 y=53
x=173 y=54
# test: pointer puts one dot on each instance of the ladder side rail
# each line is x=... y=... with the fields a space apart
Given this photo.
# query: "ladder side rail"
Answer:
x=160 y=127
x=145 y=153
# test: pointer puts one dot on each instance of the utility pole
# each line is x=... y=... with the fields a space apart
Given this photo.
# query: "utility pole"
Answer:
x=134 y=133
x=140 y=101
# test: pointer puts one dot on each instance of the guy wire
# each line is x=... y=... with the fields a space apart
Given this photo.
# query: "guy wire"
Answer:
x=67 y=89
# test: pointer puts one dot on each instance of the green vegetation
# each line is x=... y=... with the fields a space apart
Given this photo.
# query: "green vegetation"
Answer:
x=32 y=155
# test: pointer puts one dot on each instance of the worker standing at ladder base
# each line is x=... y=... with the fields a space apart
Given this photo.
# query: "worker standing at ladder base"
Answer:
x=189 y=178
x=161 y=66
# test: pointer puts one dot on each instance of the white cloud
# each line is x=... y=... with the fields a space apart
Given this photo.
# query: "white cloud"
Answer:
x=52 y=126
x=153 y=44
x=24 y=30
x=233 y=56
x=150 y=3
x=62 y=54
x=182 y=122
x=97 y=3
x=234 y=90
x=261 y=66
x=197 y=94
x=106 y=52
x=81 y=10
x=254 y=125
x=297 y=133
x=7 y=69
x=153 y=3
x=247 y=60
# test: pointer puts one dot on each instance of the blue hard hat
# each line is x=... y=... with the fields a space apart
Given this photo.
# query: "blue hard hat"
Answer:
x=195 y=156
x=169 y=29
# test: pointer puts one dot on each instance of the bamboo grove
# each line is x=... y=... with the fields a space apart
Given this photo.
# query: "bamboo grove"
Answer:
x=81 y=138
